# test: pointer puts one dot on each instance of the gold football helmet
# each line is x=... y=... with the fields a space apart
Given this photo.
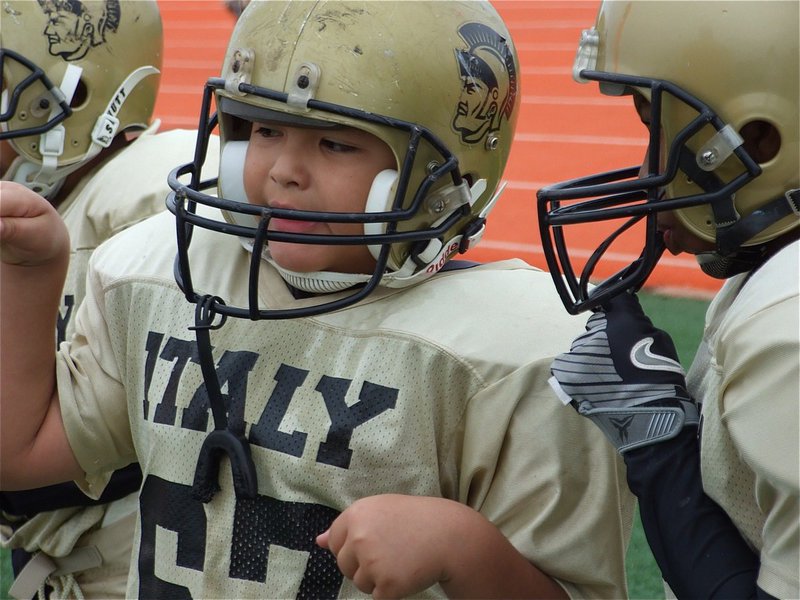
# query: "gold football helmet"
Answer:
x=75 y=73
x=438 y=82
x=722 y=85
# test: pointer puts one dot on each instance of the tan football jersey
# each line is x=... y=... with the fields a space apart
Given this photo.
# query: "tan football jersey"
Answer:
x=121 y=191
x=747 y=375
x=437 y=390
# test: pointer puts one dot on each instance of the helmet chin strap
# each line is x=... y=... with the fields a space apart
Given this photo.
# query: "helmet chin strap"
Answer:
x=46 y=178
x=733 y=231
x=717 y=266
x=315 y=282
x=731 y=256
x=41 y=177
x=433 y=258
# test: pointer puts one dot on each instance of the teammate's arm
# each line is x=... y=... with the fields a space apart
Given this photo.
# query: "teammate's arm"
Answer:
x=698 y=549
x=624 y=375
x=34 y=255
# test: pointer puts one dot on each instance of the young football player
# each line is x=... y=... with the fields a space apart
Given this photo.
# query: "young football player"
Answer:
x=79 y=86
x=323 y=403
x=713 y=456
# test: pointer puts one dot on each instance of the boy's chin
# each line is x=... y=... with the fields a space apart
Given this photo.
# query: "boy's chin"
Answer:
x=294 y=263
x=300 y=258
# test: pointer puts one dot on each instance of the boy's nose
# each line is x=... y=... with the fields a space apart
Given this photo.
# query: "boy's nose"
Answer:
x=291 y=166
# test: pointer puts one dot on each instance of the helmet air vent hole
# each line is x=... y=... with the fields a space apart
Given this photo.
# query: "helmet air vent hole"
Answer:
x=80 y=96
x=762 y=140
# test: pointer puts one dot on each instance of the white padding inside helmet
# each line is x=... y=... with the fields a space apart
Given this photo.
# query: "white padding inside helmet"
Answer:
x=231 y=179
x=380 y=198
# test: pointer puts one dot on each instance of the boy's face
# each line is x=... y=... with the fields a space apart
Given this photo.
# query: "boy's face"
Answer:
x=327 y=170
x=677 y=237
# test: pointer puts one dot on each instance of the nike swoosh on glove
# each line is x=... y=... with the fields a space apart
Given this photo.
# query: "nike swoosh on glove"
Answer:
x=624 y=374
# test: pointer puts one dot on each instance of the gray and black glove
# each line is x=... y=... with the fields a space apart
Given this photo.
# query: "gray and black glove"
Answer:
x=624 y=374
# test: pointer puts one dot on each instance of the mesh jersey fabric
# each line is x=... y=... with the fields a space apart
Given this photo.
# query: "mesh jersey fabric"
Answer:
x=123 y=190
x=747 y=375
x=439 y=389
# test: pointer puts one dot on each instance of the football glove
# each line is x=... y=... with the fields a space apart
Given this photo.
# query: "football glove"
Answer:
x=624 y=375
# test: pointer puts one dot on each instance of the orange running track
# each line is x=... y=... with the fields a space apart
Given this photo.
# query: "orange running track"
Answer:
x=565 y=130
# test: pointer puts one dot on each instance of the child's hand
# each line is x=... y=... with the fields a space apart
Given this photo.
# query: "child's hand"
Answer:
x=32 y=233
x=392 y=545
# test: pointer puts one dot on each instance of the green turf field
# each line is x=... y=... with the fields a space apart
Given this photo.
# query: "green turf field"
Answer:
x=683 y=319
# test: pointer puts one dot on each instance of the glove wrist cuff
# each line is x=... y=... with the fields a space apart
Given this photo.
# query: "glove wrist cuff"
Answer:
x=633 y=427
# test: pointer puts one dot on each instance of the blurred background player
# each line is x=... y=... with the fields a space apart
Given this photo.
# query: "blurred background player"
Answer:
x=339 y=409
x=718 y=491
x=235 y=7
x=79 y=85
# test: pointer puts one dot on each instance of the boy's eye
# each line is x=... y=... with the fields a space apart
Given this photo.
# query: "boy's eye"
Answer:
x=335 y=146
x=266 y=132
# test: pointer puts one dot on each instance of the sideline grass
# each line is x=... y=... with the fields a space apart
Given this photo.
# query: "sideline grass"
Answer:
x=682 y=318
x=5 y=573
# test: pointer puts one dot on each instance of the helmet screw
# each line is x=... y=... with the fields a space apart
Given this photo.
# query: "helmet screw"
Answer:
x=438 y=206
x=492 y=141
x=302 y=82
x=44 y=104
x=709 y=157
x=239 y=58
x=431 y=167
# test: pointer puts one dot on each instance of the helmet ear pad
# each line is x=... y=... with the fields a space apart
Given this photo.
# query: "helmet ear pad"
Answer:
x=380 y=199
x=231 y=179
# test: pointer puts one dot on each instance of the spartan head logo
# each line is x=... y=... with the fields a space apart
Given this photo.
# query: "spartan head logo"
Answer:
x=74 y=27
x=488 y=80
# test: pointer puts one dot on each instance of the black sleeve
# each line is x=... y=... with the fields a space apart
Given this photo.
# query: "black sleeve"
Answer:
x=700 y=552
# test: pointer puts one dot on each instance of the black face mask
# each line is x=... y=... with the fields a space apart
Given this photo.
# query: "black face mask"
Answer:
x=627 y=202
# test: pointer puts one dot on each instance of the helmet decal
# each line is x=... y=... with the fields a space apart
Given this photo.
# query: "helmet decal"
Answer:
x=76 y=75
x=74 y=27
x=489 y=83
